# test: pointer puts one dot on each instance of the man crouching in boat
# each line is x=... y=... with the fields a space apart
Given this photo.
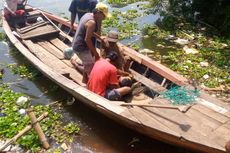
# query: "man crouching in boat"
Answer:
x=12 y=13
x=83 y=44
x=103 y=79
x=110 y=44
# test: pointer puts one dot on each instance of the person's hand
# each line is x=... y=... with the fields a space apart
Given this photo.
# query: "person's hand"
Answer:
x=130 y=75
x=105 y=41
x=96 y=56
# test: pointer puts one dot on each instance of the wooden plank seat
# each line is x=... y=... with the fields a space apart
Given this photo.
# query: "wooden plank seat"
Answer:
x=39 y=31
x=32 y=26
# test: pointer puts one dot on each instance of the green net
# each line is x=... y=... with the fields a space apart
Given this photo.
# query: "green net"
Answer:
x=180 y=95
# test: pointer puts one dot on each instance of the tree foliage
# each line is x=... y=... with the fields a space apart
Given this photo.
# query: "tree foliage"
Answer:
x=215 y=13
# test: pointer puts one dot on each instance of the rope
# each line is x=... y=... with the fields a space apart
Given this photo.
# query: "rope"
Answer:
x=181 y=96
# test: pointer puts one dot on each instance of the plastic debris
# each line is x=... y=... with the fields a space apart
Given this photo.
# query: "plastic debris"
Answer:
x=206 y=76
x=39 y=19
x=64 y=146
x=22 y=111
x=181 y=41
x=70 y=101
x=146 y=51
x=204 y=64
x=22 y=100
x=190 y=50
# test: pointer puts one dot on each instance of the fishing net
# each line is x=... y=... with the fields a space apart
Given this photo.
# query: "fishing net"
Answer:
x=180 y=95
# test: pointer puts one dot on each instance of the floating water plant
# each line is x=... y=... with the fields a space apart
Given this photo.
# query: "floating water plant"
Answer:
x=12 y=121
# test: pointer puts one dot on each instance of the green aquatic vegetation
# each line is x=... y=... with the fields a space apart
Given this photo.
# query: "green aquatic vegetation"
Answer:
x=123 y=23
x=24 y=71
x=122 y=2
x=153 y=30
x=130 y=14
x=71 y=128
x=1 y=74
x=189 y=66
x=214 y=50
x=127 y=29
x=2 y=36
x=11 y=122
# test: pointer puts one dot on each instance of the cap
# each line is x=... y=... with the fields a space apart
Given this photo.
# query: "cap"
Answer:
x=112 y=56
x=103 y=8
x=112 y=36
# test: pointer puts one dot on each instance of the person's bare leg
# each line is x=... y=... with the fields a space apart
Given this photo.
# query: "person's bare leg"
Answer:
x=85 y=78
x=78 y=67
x=124 y=90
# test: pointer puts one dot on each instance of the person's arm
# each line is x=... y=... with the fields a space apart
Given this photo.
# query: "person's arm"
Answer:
x=123 y=73
x=72 y=9
x=7 y=7
x=73 y=17
x=90 y=27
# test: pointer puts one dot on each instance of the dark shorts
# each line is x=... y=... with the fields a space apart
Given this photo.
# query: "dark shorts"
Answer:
x=112 y=94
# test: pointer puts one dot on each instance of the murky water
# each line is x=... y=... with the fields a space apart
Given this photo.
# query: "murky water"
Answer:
x=98 y=134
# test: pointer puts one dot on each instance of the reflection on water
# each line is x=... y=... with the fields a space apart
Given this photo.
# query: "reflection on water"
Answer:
x=98 y=133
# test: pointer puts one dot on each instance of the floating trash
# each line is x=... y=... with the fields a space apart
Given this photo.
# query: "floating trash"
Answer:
x=181 y=41
x=206 y=76
x=190 y=50
x=22 y=100
x=204 y=64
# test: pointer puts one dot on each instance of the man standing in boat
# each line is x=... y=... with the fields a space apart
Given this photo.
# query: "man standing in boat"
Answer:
x=79 y=8
x=83 y=44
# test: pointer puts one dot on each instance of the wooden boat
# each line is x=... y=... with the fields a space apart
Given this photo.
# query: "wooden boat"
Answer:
x=204 y=126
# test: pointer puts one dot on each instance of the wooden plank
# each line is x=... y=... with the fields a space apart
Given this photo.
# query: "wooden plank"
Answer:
x=46 y=57
x=221 y=135
x=40 y=31
x=189 y=129
x=149 y=83
x=211 y=113
x=51 y=48
x=59 y=44
x=35 y=12
x=151 y=122
x=155 y=66
x=216 y=102
x=53 y=62
x=67 y=62
x=32 y=27
x=205 y=121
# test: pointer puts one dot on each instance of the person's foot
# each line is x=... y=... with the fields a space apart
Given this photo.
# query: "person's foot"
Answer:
x=78 y=67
